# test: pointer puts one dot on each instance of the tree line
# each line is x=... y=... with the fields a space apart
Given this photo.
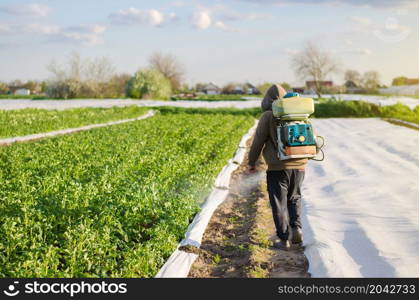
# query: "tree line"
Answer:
x=165 y=75
x=97 y=78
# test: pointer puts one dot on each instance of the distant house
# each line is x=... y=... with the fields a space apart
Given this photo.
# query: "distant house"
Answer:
x=411 y=81
x=402 y=90
x=250 y=89
x=238 y=90
x=299 y=90
x=242 y=89
x=311 y=86
x=22 y=92
x=324 y=84
x=211 y=89
x=352 y=88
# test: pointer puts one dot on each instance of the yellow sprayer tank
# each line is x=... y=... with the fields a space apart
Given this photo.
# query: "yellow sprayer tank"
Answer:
x=293 y=106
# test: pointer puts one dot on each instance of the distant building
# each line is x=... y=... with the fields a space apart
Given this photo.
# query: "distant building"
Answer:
x=412 y=81
x=250 y=89
x=238 y=90
x=404 y=81
x=402 y=90
x=312 y=84
x=242 y=89
x=211 y=89
x=22 y=92
x=352 y=88
x=299 y=90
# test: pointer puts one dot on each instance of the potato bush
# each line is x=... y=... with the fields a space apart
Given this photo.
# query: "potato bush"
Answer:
x=110 y=202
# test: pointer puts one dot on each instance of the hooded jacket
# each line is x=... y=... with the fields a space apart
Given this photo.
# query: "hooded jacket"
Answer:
x=266 y=139
x=274 y=92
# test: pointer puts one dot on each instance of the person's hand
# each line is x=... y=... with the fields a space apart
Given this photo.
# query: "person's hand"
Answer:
x=251 y=169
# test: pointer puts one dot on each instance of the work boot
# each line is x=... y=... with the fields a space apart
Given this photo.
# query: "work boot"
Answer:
x=282 y=244
x=297 y=235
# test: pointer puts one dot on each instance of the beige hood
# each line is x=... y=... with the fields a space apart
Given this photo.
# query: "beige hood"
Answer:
x=274 y=92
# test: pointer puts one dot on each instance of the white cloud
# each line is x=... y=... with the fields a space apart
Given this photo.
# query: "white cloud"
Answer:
x=178 y=4
x=290 y=51
x=219 y=16
x=172 y=17
x=361 y=20
x=83 y=34
x=388 y=29
x=220 y=25
x=88 y=39
x=227 y=14
x=98 y=28
x=89 y=35
x=155 y=17
x=42 y=29
x=4 y=28
x=372 y=3
x=359 y=51
x=95 y=28
x=33 y=10
x=201 y=20
x=133 y=15
x=348 y=42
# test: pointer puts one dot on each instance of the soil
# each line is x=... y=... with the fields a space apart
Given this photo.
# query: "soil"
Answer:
x=239 y=237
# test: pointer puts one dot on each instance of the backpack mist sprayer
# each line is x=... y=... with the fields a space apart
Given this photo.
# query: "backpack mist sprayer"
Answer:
x=296 y=137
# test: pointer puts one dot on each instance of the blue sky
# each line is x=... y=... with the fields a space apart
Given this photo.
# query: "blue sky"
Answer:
x=218 y=41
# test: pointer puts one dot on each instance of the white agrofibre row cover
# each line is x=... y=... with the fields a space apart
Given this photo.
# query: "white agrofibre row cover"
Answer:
x=107 y=103
x=379 y=100
x=252 y=102
x=180 y=262
x=38 y=136
x=361 y=204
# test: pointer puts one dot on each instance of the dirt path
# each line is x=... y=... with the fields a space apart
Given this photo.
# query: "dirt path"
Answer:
x=238 y=239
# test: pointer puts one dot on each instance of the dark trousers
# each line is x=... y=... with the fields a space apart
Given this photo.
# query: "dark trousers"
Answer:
x=284 y=188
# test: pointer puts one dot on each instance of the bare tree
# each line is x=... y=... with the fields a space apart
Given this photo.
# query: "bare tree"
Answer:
x=99 y=69
x=199 y=87
x=76 y=66
x=116 y=85
x=353 y=76
x=314 y=64
x=85 y=76
x=170 y=67
x=4 y=89
x=73 y=70
x=229 y=88
x=371 y=81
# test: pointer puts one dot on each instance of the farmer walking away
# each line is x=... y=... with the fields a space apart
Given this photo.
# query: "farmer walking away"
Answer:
x=286 y=139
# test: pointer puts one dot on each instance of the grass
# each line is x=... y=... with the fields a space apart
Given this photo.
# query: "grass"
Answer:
x=253 y=112
x=361 y=109
x=258 y=272
x=394 y=95
x=109 y=202
x=41 y=97
x=222 y=97
x=29 y=121
x=198 y=98
x=8 y=97
x=216 y=259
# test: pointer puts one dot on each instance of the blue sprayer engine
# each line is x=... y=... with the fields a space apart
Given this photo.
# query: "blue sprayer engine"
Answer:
x=296 y=138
